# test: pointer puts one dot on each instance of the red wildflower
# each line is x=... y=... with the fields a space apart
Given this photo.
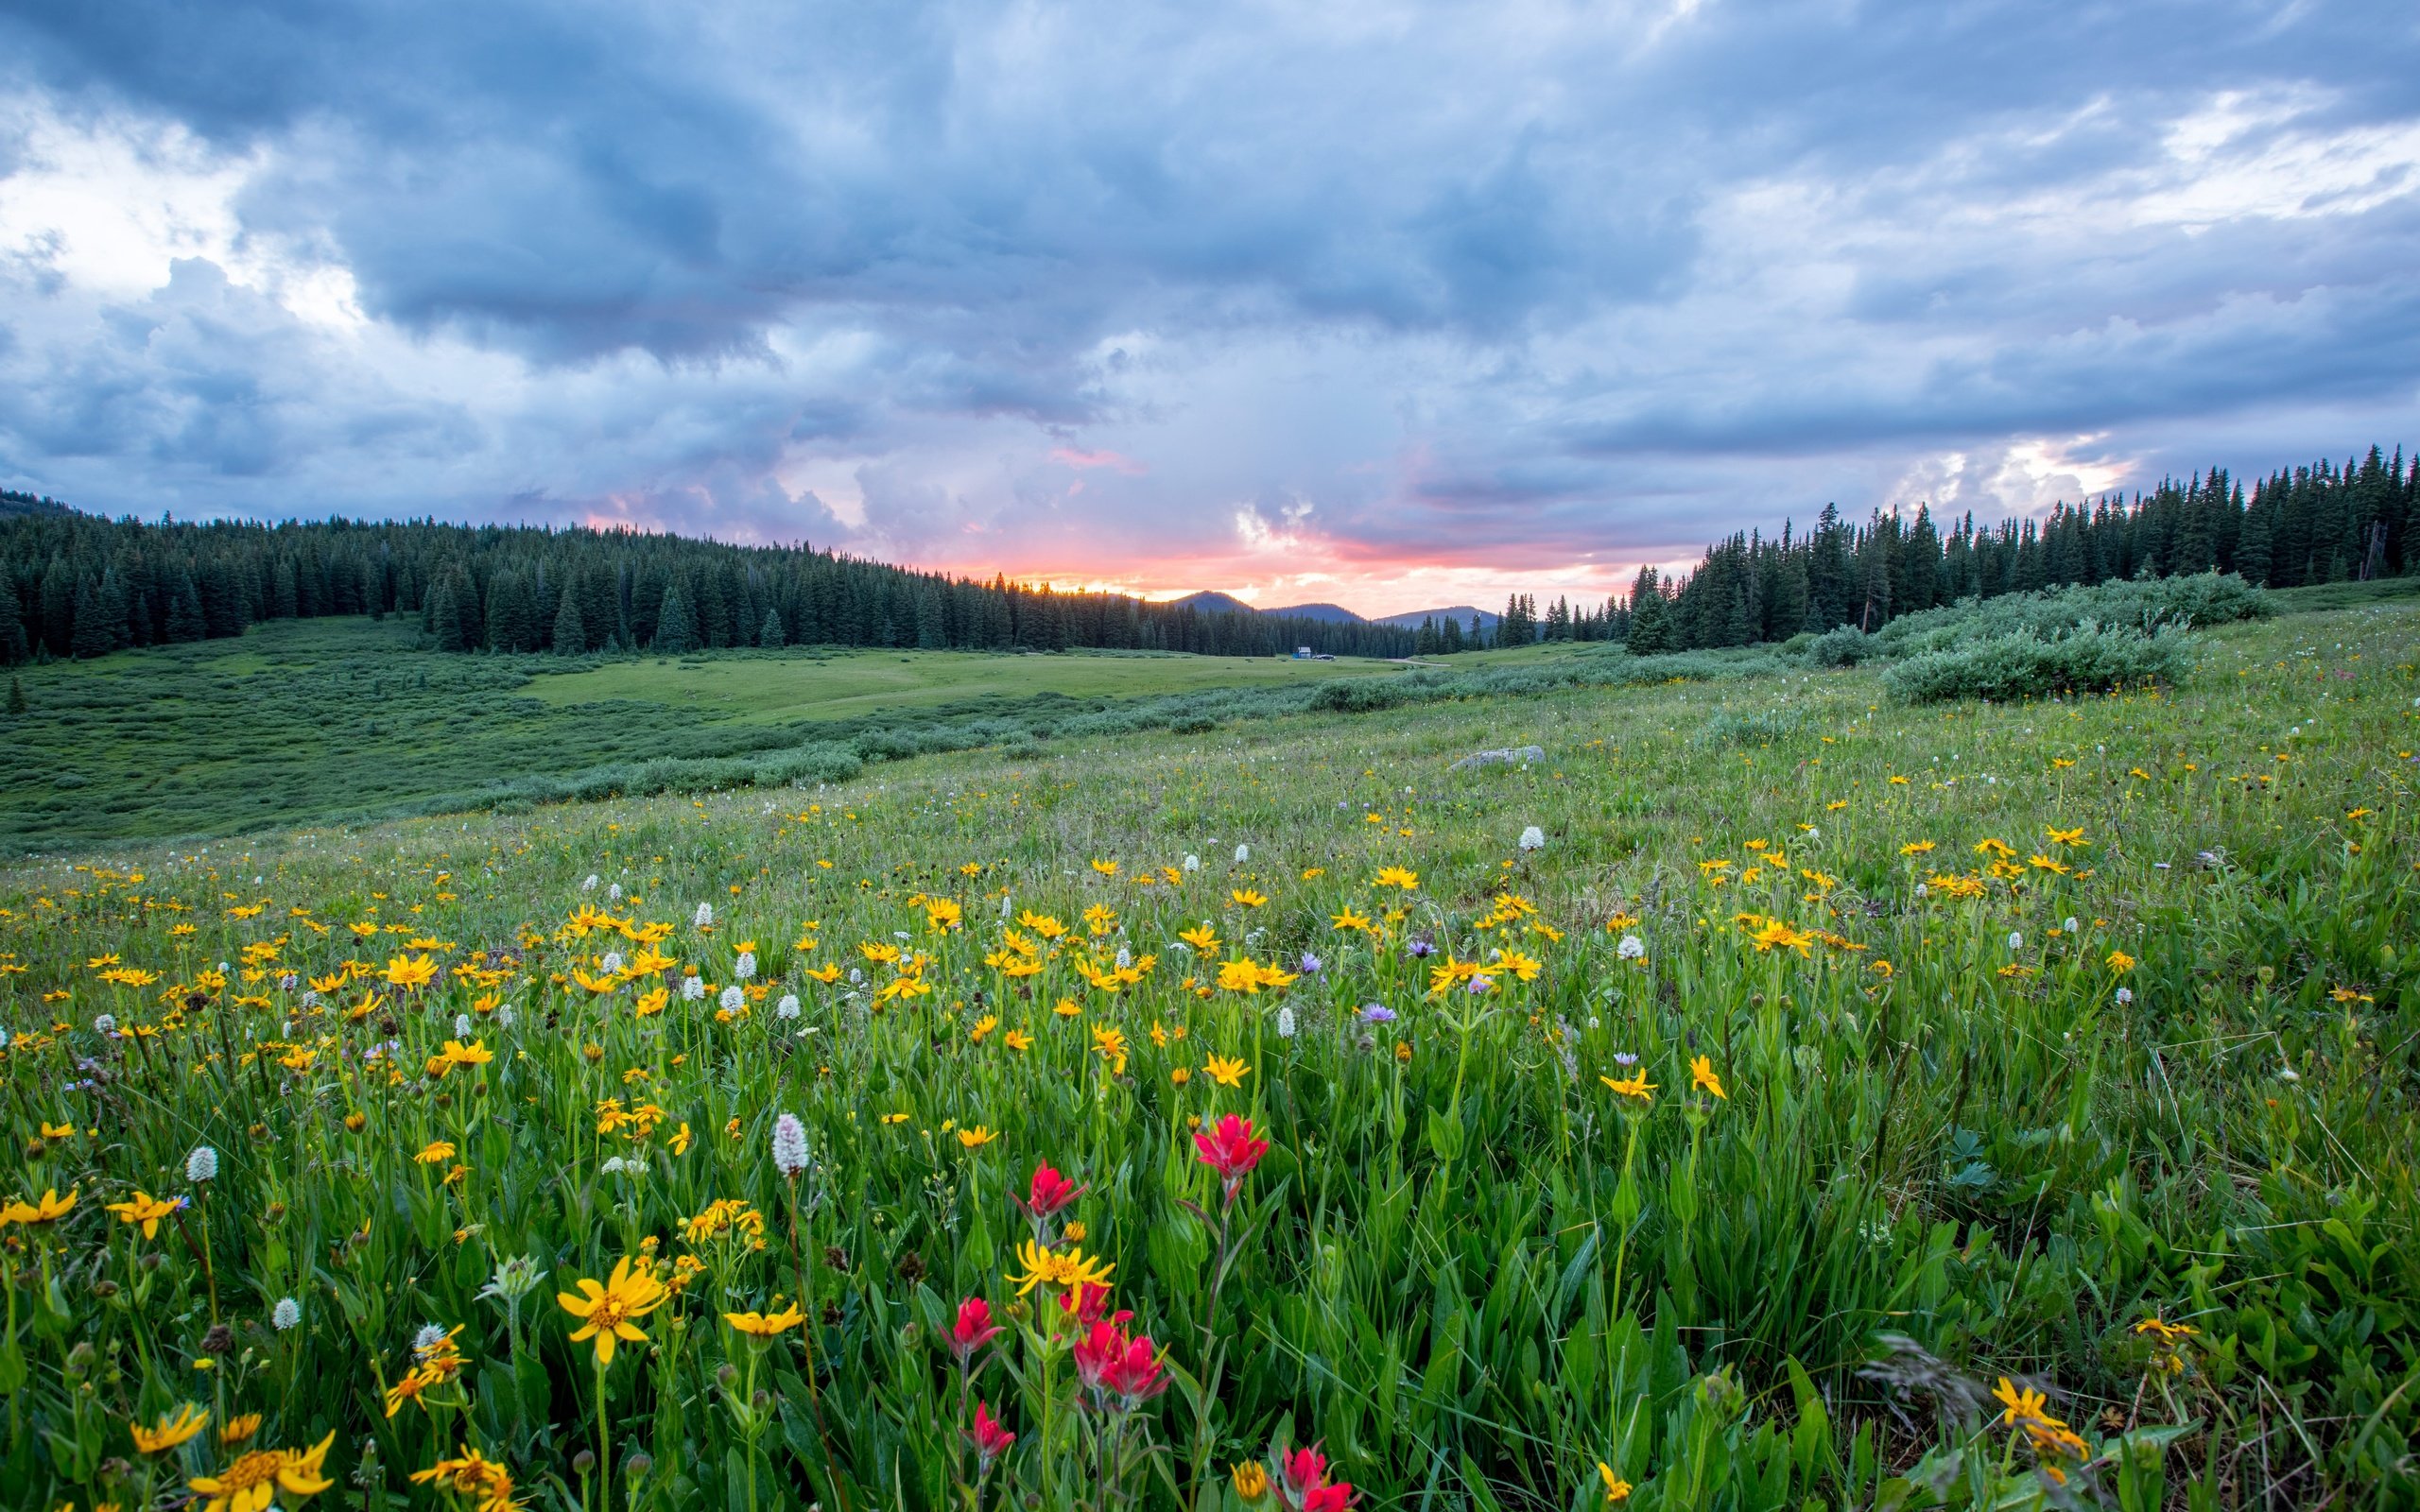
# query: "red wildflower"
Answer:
x=1303 y=1480
x=975 y=1329
x=1108 y=1359
x=989 y=1439
x=1085 y=1304
x=1230 y=1150
x=1049 y=1194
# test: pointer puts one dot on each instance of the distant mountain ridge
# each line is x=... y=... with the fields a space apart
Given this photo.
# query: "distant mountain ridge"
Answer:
x=1210 y=601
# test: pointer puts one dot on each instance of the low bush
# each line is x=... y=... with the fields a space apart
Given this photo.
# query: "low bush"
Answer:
x=2010 y=667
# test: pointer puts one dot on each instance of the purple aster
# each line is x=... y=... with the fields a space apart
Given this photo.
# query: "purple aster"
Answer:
x=1377 y=1013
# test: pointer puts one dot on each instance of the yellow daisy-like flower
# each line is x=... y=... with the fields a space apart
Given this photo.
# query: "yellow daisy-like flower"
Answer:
x=171 y=1430
x=1066 y=1271
x=49 y=1209
x=146 y=1210
x=410 y=971
x=766 y=1325
x=1616 y=1489
x=436 y=1152
x=976 y=1138
x=253 y=1480
x=1226 y=1072
x=1636 y=1085
x=1701 y=1074
x=606 y=1310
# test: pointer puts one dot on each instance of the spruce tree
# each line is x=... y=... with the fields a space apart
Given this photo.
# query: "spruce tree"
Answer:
x=571 y=637
x=768 y=633
x=16 y=697
x=675 y=629
x=94 y=635
x=187 y=622
x=443 y=622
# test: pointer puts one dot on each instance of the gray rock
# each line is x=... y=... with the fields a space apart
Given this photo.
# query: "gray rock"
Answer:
x=1523 y=754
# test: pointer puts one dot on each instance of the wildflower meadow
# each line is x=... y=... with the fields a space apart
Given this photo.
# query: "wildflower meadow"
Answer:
x=1777 y=1094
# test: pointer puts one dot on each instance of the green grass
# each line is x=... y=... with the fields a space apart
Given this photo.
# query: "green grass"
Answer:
x=1466 y=1266
x=314 y=721
x=784 y=686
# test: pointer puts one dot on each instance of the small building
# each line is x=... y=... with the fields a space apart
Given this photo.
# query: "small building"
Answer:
x=1302 y=653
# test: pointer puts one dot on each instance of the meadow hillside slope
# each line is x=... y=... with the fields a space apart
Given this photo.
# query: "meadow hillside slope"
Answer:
x=1777 y=1096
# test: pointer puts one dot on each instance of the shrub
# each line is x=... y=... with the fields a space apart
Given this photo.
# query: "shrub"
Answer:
x=1844 y=646
x=2023 y=666
x=1752 y=727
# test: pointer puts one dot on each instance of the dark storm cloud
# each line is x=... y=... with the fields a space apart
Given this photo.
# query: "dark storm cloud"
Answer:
x=1563 y=279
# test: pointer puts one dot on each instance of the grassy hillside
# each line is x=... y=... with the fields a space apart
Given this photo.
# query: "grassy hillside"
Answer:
x=1828 y=1065
x=308 y=721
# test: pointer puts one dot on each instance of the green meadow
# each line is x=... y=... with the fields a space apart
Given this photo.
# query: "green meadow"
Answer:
x=1836 y=1102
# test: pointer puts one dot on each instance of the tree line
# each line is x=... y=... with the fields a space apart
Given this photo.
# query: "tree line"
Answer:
x=75 y=585
x=2321 y=524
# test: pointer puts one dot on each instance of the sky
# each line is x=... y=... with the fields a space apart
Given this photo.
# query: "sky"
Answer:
x=1388 y=305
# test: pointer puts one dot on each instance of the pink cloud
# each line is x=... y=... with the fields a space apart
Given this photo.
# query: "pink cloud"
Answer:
x=1076 y=456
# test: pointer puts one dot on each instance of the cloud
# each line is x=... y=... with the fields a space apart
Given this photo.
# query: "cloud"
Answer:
x=1359 y=297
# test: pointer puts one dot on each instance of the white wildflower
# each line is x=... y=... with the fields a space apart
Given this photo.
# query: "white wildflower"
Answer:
x=2125 y=996
x=705 y=916
x=1192 y=862
x=1286 y=1022
x=590 y=885
x=611 y=965
x=692 y=989
x=734 y=999
x=287 y=1314
x=1533 y=838
x=2015 y=941
x=105 y=1023
x=461 y=1026
x=789 y=1146
x=745 y=968
x=788 y=1007
x=2071 y=924
x=1243 y=853
x=614 y=893
x=203 y=1164
x=1632 y=949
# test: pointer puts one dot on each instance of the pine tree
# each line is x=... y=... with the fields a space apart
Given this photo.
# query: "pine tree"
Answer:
x=13 y=644
x=94 y=635
x=675 y=630
x=571 y=637
x=187 y=622
x=769 y=632
x=443 y=622
x=16 y=697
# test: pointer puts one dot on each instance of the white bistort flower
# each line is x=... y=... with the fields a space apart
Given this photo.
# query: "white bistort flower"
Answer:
x=287 y=1314
x=788 y=1007
x=203 y=1164
x=789 y=1146
x=745 y=968
x=692 y=989
x=1632 y=948
x=734 y=999
x=1533 y=838
x=590 y=885
x=705 y=916
x=461 y=1026
x=1286 y=1022
x=1243 y=853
